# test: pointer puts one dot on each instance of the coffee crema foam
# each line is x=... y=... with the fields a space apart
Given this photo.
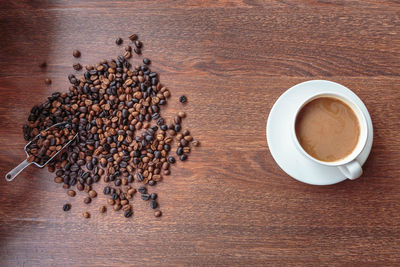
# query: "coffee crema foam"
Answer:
x=327 y=129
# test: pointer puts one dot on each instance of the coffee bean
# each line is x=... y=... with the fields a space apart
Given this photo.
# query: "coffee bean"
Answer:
x=182 y=99
x=145 y=197
x=177 y=127
x=79 y=186
x=87 y=200
x=102 y=209
x=118 y=41
x=71 y=193
x=92 y=194
x=133 y=37
x=179 y=151
x=153 y=196
x=157 y=213
x=137 y=50
x=110 y=201
x=171 y=160
x=132 y=191
x=106 y=190
x=183 y=157
x=138 y=44
x=47 y=81
x=128 y=213
x=152 y=182
x=86 y=215
x=66 y=207
x=153 y=204
x=58 y=179
x=77 y=66
x=142 y=189
x=76 y=53
x=181 y=114
x=146 y=61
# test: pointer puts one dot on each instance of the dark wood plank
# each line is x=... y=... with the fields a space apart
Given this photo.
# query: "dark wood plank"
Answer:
x=230 y=204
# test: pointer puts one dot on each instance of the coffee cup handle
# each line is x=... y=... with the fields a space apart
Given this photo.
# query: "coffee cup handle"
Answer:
x=351 y=170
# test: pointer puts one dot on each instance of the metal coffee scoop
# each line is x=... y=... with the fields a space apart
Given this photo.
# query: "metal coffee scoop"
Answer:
x=14 y=172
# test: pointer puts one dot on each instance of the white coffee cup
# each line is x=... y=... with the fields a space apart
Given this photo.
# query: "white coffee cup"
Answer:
x=349 y=165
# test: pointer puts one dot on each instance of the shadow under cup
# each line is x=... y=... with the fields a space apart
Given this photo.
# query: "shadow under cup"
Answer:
x=362 y=136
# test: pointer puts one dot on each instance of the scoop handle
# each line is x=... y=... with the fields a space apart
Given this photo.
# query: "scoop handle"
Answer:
x=14 y=172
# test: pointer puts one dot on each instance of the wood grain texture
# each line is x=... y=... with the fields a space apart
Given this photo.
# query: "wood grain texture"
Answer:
x=230 y=204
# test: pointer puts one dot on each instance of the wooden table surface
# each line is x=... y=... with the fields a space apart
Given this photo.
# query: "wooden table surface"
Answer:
x=230 y=203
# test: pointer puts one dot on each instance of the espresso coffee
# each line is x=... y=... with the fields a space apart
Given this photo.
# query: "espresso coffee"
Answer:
x=327 y=129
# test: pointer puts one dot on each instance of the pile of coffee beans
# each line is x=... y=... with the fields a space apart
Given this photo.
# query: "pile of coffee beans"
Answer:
x=49 y=142
x=122 y=139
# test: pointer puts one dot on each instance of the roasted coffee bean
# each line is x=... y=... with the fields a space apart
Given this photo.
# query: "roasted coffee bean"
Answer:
x=71 y=193
x=132 y=191
x=142 y=189
x=87 y=200
x=153 y=204
x=102 y=209
x=146 y=61
x=106 y=190
x=58 y=179
x=177 y=119
x=89 y=166
x=114 y=196
x=86 y=215
x=183 y=157
x=79 y=186
x=76 y=53
x=87 y=188
x=152 y=182
x=179 y=151
x=110 y=201
x=183 y=142
x=157 y=213
x=133 y=37
x=171 y=160
x=145 y=197
x=66 y=207
x=182 y=99
x=118 y=41
x=177 y=127
x=128 y=213
x=153 y=196
x=138 y=44
x=77 y=66
x=92 y=194
x=47 y=81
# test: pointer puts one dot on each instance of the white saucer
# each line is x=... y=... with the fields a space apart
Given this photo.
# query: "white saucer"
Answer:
x=280 y=143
